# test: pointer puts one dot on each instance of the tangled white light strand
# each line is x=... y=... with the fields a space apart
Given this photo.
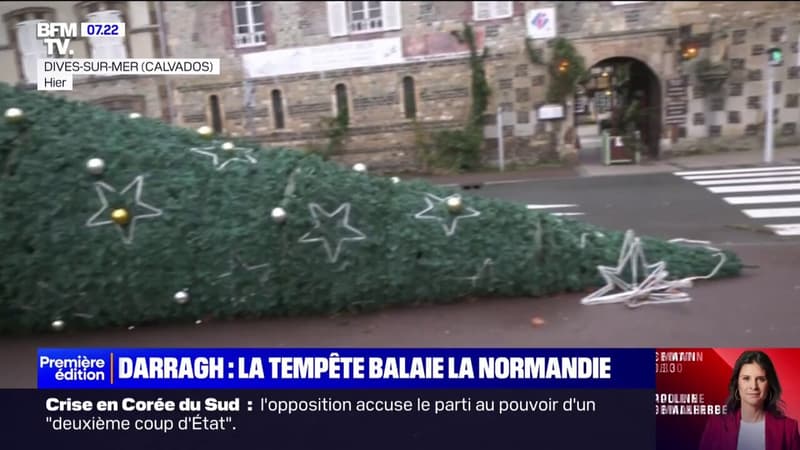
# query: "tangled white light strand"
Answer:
x=654 y=288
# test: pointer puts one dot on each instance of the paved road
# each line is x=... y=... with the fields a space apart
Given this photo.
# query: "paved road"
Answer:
x=760 y=308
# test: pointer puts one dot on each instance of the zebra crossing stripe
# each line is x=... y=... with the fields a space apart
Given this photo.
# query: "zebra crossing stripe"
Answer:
x=745 y=181
x=754 y=200
x=757 y=169
x=787 y=229
x=740 y=175
x=754 y=188
x=769 y=213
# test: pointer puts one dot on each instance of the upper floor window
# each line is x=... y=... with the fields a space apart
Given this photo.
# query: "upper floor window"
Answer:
x=248 y=22
x=21 y=25
x=492 y=10
x=363 y=17
x=107 y=47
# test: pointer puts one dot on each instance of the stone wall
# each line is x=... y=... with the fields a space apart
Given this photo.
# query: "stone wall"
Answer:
x=381 y=135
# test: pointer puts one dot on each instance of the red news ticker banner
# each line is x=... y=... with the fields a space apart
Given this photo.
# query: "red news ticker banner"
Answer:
x=693 y=383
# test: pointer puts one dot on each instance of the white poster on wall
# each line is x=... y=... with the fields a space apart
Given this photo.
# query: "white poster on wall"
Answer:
x=345 y=55
x=541 y=23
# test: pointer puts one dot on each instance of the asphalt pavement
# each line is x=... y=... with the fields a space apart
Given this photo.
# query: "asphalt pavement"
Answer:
x=760 y=308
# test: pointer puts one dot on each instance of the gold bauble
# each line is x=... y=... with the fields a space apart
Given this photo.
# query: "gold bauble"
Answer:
x=14 y=115
x=120 y=216
x=454 y=204
x=205 y=132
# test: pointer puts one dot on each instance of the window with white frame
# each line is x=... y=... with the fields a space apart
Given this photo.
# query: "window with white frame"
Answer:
x=21 y=26
x=248 y=23
x=107 y=47
x=363 y=17
x=492 y=10
x=30 y=49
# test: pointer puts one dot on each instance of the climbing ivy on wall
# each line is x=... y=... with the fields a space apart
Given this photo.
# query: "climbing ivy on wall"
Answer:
x=566 y=68
x=460 y=149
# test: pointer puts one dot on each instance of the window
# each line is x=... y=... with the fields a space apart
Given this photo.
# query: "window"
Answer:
x=277 y=109
x=346 y=18
x=602 y=102
x=21 y=26
x=30 y=48
x=248 y=22
x=409 y=98
x=365 y=16
x=341 y=102
x=106 y=47
x=492 y=10
x=216 y=115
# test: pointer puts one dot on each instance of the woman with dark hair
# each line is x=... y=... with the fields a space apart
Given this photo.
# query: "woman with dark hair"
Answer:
x=755 y=418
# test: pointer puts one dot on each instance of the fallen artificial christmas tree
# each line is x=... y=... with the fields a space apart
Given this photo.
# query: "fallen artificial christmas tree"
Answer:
x=110 y=220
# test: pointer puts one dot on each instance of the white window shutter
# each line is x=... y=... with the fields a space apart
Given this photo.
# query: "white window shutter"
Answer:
x=482 y=10
x=30 y=48
x=337 y=18
x=105 y=47
x=503 y=9
x=392 y=15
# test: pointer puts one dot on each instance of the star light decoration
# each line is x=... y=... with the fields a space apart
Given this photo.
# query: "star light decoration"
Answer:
x=317 y=234
x=238 y=267
x=126 y=231
x=650 y=286
x=222 y=154
x=485 y=271
x=448 y=220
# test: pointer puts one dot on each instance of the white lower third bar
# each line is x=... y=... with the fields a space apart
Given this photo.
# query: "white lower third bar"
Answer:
x=757 y=199
x=767 y=213
x=788 y=229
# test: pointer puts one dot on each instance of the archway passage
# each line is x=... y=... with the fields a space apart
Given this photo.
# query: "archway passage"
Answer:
x=614 y=84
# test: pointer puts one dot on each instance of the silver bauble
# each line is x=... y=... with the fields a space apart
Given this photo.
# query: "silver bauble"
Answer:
x=58 y=325
x=228 y=146
x=205 y=131
x=182 y=297
x=360 y=167
x=278 y=215
x=134 y=115
x=96 y=166
x=395 y=180
x=14 y=115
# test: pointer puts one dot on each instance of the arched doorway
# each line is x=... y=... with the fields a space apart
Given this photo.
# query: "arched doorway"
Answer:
x=613 y=86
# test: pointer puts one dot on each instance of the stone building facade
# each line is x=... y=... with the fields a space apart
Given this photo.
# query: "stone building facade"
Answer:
x=287 y=67
x=144 y=95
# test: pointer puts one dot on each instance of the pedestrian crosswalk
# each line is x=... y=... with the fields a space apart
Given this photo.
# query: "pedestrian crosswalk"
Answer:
x=554 y=209
x=778 y=202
